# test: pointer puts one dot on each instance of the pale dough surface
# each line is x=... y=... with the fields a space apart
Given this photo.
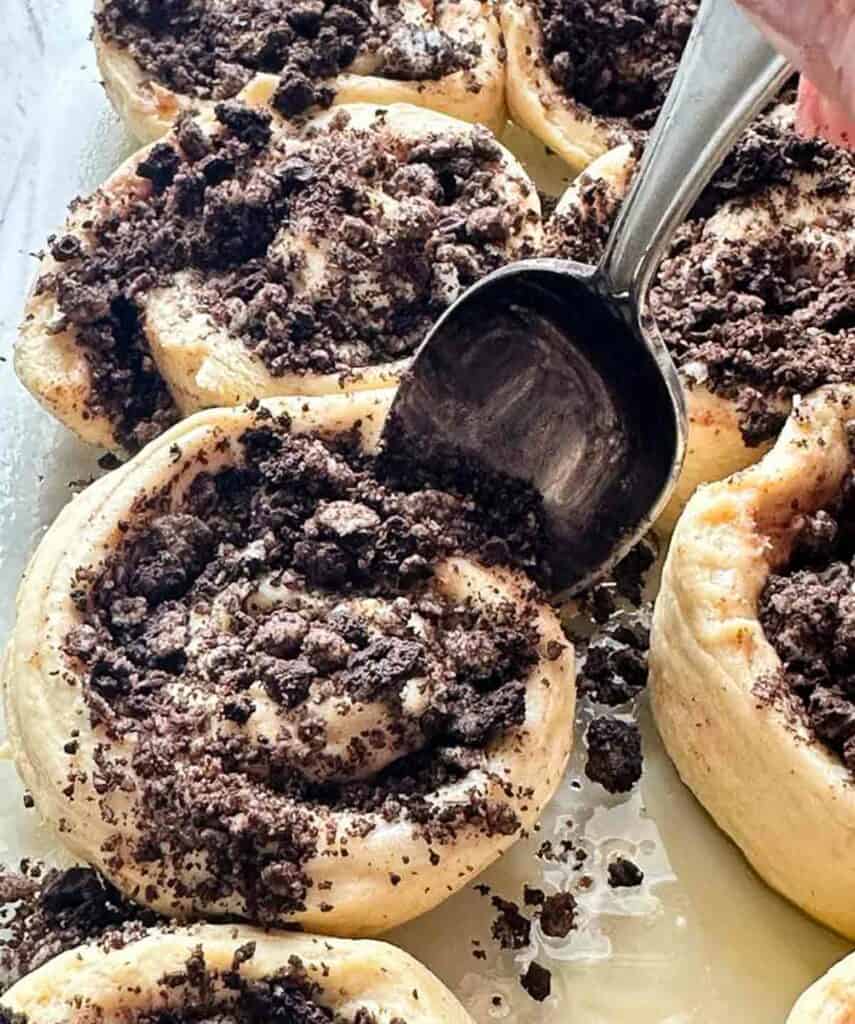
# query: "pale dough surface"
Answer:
x=831 y=999
x=117 y=985
x=201 y=362
x=149 y=109
x=781 y=796
x=42 y=708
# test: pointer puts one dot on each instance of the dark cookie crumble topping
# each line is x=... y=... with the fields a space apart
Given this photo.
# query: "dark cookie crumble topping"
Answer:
x=225 y=217
x=807 y=610
x=537 y=981
x=757 y=317
x=210 y=49
x=45 y=912
x=616 y=58
x=612 y=670
x=298 y=585
x=625 y=874
x=290 y=996
x=48 y=912
x=614 y=754
x=615 y=666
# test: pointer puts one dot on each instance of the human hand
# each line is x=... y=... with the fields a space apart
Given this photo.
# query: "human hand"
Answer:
x=818 y=36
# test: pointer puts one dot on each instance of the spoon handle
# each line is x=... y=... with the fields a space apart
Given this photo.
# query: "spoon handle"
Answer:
x=726 y=58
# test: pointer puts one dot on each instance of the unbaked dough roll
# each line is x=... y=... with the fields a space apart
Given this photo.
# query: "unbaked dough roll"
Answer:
x=754 y=299
x=265 y=671
x=583 y=77
x=220 y=972
x=830 y=1000
x=763 y=749
x=443 y=55
x=240 y=258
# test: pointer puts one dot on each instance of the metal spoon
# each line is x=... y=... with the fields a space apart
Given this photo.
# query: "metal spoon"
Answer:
x=546 y=369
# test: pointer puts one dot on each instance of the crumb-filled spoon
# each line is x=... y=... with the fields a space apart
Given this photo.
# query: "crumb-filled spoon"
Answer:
x=548 y=370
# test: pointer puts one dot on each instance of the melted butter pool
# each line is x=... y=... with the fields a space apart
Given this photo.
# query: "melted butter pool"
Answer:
x=702 y=940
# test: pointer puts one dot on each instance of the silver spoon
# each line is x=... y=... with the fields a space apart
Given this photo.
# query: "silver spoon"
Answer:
x=545 y=370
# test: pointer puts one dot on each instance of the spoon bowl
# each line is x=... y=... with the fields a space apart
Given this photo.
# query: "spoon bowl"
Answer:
x=548 y=370
x=547 y=379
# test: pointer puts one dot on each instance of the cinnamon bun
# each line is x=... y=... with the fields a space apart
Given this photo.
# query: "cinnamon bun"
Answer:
x=159 y=61
x=236 y=976
x=755 y=299
x=266 y=670
x=239 y=259
x=752 y=656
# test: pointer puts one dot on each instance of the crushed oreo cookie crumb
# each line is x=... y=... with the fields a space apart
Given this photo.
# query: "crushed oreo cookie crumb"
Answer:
x=807 y=611
x=537 y=981
x=624 y=874
x=558 y=915
x=511 y=928
x=615 y=666
x=614 y=754
x=616 y=58
x=46 y=911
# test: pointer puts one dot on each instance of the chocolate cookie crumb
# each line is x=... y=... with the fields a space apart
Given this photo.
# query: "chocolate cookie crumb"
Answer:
x=614 y=754
x=533 y=897
x=511 y=928
x=624 y=874
x=160 y=167
x=560 y=854
x=615 y=666
x=808 y=615
x=47 y=911
x=108 y=461
x=558 y=916
x=411 y=54
x=289 y=995
x=624 y=585
x=537 y=981
x=617 y=58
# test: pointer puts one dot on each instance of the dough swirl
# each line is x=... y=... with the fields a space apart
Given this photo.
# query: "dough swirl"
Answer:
x=263 y=671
